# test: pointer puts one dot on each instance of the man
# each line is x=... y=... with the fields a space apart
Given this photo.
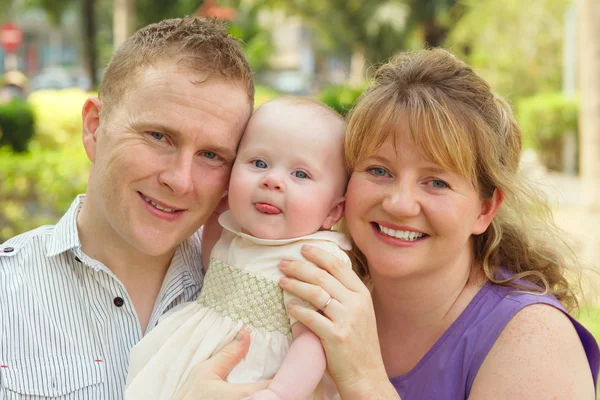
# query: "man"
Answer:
x=161 y=138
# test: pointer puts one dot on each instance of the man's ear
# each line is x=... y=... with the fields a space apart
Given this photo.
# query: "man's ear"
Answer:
x=335 y=214
x=90 y=116
x=489 y=209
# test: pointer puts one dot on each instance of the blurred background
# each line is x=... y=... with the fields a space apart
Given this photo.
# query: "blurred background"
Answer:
x=542 y=55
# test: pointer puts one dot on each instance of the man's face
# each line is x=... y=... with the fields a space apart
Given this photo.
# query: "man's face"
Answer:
x=162 y=157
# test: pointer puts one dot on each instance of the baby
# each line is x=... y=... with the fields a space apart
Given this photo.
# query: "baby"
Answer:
x=287 y=189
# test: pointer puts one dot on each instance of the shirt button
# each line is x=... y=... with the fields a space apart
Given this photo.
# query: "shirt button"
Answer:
x=8 y=249
x=119 y=301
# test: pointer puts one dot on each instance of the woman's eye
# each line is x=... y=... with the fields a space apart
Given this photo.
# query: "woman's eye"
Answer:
x=436 y=183
x=259 y=164
x=377 y=171
x=300 y=174
x=157 y=135
x=210 y=155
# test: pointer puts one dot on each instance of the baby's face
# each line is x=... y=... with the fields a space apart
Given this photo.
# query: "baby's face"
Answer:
x=289 y=174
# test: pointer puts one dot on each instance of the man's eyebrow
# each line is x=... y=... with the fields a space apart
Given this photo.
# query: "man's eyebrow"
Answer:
x=156 y=126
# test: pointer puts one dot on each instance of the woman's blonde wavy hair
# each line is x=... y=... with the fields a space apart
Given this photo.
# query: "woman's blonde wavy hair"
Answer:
x=458 y=122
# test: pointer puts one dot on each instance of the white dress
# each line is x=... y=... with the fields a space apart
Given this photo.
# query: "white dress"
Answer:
x=240 y=288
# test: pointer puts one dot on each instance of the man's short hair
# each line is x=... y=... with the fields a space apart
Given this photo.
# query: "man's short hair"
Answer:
x=199 y=43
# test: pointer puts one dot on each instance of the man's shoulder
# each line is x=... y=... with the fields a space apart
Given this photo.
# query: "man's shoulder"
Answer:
x=33 y=239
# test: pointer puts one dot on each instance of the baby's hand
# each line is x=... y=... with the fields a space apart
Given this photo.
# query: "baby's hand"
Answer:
x=265 y=394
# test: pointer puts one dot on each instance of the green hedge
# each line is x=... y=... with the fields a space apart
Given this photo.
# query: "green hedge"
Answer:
x=340 y=97
x=545 y=120
x=58 y=117
x=37 y=187
x=16 y=124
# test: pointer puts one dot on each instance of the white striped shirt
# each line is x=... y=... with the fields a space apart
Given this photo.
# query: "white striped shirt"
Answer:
x=67 y=323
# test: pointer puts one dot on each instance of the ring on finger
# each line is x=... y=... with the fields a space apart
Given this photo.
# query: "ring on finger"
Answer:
x=326 y=304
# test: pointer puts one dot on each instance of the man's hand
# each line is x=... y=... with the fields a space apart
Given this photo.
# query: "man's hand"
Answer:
x=207 y=379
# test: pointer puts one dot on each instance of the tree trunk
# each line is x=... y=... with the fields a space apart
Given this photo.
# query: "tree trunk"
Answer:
x=434 y=34
x=589 y=114
x=89 y=41
x=123 y=21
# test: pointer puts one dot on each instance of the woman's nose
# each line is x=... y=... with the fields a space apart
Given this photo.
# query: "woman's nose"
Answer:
x=402 y=201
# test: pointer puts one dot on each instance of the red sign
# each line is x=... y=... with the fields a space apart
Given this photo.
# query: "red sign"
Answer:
x=11 y=37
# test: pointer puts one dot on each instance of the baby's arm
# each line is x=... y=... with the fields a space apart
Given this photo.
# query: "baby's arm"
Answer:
x=301 y=371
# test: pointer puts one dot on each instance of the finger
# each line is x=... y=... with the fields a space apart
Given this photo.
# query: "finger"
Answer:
x=223 y=362
x=334 y=266
x=313 y=294
x=319 y=324
x=316 y=278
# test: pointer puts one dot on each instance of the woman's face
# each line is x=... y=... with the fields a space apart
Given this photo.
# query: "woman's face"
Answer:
x=409 y=216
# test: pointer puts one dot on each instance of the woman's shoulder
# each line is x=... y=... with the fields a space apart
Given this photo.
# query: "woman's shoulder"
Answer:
x=539 y=353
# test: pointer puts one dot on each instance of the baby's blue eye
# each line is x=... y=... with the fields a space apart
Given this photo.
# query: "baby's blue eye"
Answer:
x=260 y=164
x=157 y=135
x=378 y=171
x=300 y=174
x=210 y=155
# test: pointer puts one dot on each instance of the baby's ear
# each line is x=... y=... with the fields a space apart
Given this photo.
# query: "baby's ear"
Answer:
x=335 y=214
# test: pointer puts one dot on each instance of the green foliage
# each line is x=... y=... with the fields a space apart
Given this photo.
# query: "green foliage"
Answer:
x=545 y=119
x=516 y=48
x=58 y=117
x=374 y=27
x=36 y=188
x=16 y=124
x=340 y=97
x=258 y=45
x=150 y=11
x=263 y=94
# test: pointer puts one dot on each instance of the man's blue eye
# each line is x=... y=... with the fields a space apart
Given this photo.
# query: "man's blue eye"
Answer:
x=157 y=135
x=378 y=171
x=300 y=174
x=260 y=164
x=210 y=155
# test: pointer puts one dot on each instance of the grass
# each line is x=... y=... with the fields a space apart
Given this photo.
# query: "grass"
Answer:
x=590 y=318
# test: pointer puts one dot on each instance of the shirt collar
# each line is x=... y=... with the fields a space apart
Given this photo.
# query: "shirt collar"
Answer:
x=227 y=222
x=186 y=262
x=65 y=236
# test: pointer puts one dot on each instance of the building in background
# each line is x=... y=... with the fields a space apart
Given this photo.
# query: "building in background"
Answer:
x=49 y=55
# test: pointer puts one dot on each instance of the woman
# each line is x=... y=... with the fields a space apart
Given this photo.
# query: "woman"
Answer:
x=467 y=296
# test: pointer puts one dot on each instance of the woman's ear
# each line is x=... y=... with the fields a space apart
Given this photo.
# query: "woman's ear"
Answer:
x=335 y=214
x=489 y=209
x=90 y=117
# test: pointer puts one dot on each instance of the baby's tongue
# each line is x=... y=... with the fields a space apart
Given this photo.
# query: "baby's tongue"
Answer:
x=267 y=208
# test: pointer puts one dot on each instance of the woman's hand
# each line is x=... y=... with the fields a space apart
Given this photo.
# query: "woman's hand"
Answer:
x=346 y=323
x=207 y=379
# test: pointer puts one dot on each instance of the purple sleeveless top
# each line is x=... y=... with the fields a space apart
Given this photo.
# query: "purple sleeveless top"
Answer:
x=449 y=368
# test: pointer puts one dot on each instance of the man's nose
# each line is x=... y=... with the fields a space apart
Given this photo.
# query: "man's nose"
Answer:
x=178 y=176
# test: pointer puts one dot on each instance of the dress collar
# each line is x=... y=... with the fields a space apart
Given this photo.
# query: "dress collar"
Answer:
x=226 y=220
